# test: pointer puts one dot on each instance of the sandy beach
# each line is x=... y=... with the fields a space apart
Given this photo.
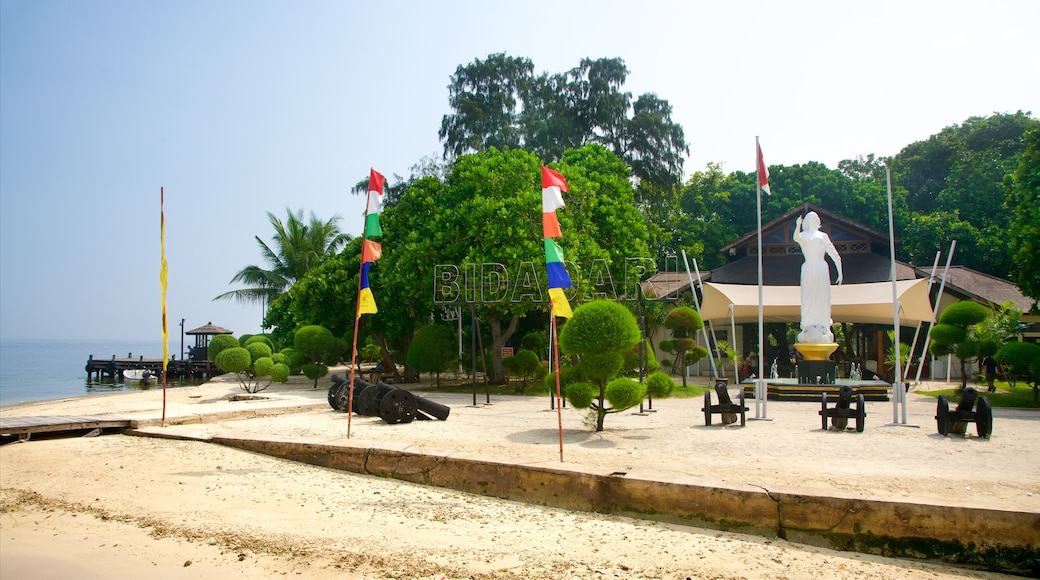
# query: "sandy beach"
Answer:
x=115 y=506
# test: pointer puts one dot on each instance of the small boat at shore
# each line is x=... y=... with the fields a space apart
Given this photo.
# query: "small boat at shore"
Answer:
x=143 y=376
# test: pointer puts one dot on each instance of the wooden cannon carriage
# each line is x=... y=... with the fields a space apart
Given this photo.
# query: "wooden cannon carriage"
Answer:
x=389 y=403
x=843 y=410
x=956 y=421
x=726 y=408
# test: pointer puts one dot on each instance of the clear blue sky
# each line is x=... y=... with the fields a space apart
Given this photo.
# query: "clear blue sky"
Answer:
x=239 y=108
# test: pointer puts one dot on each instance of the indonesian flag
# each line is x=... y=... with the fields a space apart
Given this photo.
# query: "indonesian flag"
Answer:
x=552 y=199
x=763 y=171
x=375 y=205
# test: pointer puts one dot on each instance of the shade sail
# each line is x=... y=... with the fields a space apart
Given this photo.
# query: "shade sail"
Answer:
x=852 y=303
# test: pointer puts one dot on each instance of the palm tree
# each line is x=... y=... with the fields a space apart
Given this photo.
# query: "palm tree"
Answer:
x=298 y=248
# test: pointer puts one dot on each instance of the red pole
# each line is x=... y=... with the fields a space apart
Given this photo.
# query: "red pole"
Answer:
x=556 y=370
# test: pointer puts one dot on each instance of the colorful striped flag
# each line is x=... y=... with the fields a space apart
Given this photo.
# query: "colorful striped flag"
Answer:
x=375 y=205
x=370 y=250
x=553 y=184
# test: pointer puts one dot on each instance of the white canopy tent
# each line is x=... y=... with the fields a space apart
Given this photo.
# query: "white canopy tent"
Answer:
x=854 y=303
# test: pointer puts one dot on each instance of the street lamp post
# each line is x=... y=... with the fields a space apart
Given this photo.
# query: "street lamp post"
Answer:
x=182 y=339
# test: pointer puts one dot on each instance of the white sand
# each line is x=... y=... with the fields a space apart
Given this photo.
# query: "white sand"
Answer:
x=119 y=506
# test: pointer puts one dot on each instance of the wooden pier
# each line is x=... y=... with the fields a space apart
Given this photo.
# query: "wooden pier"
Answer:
x=24 y=427
x=175 y=369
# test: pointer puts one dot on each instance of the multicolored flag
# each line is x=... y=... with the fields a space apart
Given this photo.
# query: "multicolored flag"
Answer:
x=370 y=250
x=375 y=205
x=163 y=280
x=763 y=171
x=553 y=184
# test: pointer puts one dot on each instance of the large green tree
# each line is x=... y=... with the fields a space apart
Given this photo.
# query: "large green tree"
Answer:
x=1023 y=237
x=488 y=210
x=499 y=102
x=297 y=247
x=959 y=174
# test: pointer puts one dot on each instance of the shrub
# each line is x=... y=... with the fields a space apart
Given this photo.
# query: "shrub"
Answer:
x=280 y=372
x=684 y=322
x=262 y=366
x=599 y=332
x=219 y=343
x=1021 y=362
x=259 y=338
x=258 y=350
x=660 y=385
x=580 y=394
x=314 y=342
x=432 y=350
x=624 y=393
x=233 y=360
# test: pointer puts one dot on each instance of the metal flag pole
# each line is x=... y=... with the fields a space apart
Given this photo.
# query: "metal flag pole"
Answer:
x=760 y=383
x=935 y=310
x=920 y=323
x=898 y=390
x=697 y=303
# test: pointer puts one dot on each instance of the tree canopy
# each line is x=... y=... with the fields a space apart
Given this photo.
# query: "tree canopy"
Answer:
x=500 y=103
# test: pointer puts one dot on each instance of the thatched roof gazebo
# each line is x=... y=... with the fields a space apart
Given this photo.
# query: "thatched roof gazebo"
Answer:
x=202 y=336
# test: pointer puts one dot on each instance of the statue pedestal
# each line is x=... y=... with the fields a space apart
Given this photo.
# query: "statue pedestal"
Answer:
x=816 y=366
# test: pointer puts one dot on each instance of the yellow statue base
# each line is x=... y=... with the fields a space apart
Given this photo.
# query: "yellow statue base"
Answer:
x=820 y=351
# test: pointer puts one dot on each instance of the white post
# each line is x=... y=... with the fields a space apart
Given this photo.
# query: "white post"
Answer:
x=760 y=383
x=697 y=303
x=733 y=338
x=935 y=310
x=898 y=392
x=917 y=333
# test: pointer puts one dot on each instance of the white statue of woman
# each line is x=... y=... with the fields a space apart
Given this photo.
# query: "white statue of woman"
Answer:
x=816 y=280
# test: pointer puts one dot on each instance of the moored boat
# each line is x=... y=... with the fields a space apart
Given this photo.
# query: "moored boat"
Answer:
x=137 y=376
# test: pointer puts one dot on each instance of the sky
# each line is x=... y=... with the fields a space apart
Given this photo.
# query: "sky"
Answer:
x=240 y=108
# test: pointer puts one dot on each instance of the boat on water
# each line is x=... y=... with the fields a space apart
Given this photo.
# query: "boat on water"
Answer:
x=143 y=376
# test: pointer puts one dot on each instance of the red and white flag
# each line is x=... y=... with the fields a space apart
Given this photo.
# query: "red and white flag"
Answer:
x=763 y=171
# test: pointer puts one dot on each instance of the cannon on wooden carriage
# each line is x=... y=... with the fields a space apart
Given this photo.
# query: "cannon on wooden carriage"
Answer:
x=843 y=409
x=956 y=420
x=391 y=404
x=726 y=408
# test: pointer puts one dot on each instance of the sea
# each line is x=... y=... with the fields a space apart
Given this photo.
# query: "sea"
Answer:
x=48 y=369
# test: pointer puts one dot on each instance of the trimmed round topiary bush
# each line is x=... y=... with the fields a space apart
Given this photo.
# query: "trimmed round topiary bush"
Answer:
x=233 y=360
x=262 y=366
x=280 y=372
x=580 y=394
x=660 y=385
x=218 y=344
x=624 y=393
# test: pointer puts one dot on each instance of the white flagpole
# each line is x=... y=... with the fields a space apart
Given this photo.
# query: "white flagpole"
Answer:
x=935 y=311
x=920 y=323
x=713 y=369
x=760 y=383
x=898 y=392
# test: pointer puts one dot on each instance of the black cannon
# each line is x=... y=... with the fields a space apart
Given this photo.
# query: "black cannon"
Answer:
x=956 y=421
x=726 y=408
x=389 y=403
x=840 y=413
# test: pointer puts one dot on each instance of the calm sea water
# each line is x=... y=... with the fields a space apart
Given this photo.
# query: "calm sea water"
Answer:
x=41 y=370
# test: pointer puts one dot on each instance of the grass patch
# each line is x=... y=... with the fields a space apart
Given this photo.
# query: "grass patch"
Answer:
x=1021 y=396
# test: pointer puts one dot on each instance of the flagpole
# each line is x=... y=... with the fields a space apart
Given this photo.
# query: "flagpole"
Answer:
x=935 y=309
x=760 y=388
x=556 y=371
x=357 y=324
x=163 y=273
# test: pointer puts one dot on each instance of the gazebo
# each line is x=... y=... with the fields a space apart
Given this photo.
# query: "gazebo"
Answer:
x=202 y=336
